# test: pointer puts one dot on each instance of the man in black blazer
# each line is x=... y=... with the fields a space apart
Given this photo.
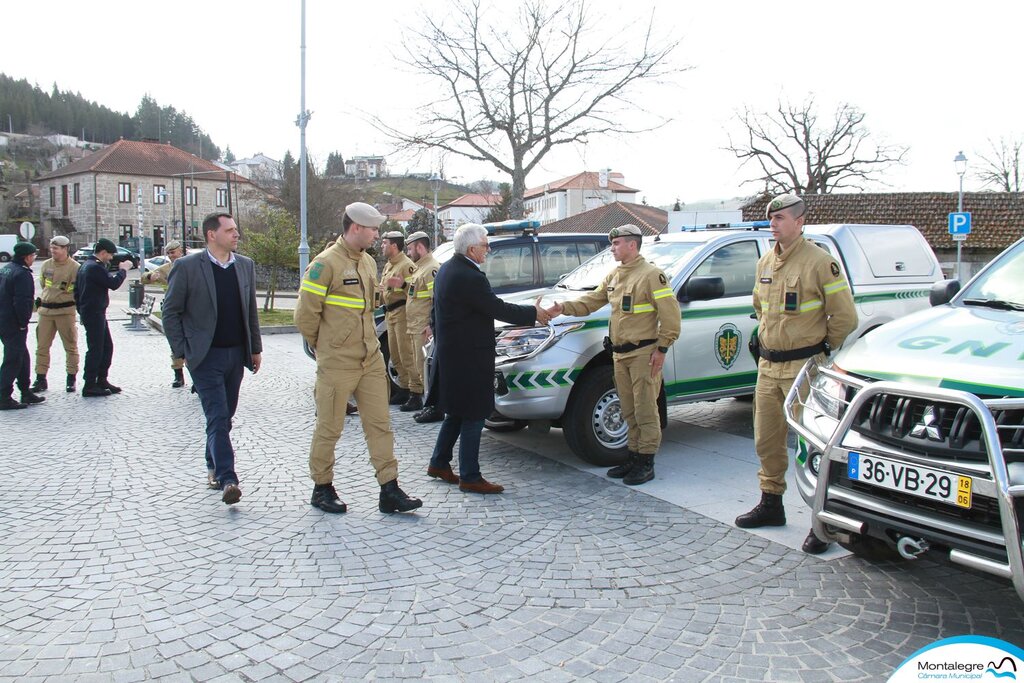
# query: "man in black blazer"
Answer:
x=465 y=309
x=210 y=319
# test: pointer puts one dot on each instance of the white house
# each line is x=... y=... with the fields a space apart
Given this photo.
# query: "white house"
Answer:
x=469 y=208
x=259 y=168
x=575 y=194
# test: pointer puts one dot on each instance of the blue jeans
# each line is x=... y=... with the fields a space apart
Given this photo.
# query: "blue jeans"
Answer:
x=217 y=380
x=467 y=432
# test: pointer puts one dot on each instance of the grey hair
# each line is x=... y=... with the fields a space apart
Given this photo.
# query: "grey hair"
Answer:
x=468 y=235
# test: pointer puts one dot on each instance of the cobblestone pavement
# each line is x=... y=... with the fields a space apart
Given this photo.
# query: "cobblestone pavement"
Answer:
x=116 y=563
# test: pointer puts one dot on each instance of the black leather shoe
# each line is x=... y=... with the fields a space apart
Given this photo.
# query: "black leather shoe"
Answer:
x=108 y=386
x=399 y=397
x=70 y=386
x=29 y=398
x=39 y=384
x=642 y=472
x=769 y=512
x=326 y=498
x=393 y=499
x=415 y=402
x=10 y=404
x=428 y=414
x=92 y=390
x=232 y=494
x=814 y=545
x=179 y=379
x=620 y=471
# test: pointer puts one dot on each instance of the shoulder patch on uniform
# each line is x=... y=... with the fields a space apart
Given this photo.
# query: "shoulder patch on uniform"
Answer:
x=661 y=278
x=315 y=270
x=835 y=268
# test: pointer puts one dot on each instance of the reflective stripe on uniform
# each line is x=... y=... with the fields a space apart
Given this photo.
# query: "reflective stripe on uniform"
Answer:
x=313 y=288
x=837 y=286
x=425 y=294
x=344 y=301
x=812 y=305
x=662 y=293
x=643 y=308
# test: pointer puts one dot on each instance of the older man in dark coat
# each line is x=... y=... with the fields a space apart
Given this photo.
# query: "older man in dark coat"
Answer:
x=465 y=309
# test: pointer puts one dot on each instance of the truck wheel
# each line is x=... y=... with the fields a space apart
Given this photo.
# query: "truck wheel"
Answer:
x=871 y=549
x=4 y=257
x=392 y=373
x=593 y=425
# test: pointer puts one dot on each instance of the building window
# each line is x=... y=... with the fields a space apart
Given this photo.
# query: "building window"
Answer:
x=125 y=231
x=159 y=194
x=222 y=196
x=53 y=196
x=78 y=193
x=191 y=195
x=124 y=193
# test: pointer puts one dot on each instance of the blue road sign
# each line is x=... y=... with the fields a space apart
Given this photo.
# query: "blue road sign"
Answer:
x=960 y=223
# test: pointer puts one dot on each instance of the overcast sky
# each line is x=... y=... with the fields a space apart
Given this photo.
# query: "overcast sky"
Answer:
x=937 y=77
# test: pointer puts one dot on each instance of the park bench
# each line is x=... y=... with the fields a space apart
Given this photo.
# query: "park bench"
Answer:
x=141 y=313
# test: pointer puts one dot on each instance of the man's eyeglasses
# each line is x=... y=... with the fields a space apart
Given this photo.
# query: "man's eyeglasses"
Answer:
x=485 y=245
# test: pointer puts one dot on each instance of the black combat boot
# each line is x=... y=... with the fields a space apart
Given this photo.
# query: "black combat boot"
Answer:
x=39 y=384
x=326 y=498
x=70 y=387
x=642 y=472
x=102 y=382
x=29 y=398
x=620 y=471
x=399 y=397
x=769 y=512
x=814 y=545
x=415 y=402
x=94 y=389
x=428 y=414
x=8 y=403
x=179 y=379
x=393 y=499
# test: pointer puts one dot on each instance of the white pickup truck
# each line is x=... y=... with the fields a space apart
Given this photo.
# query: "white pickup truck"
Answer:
x=7 y=243
x=562 y=374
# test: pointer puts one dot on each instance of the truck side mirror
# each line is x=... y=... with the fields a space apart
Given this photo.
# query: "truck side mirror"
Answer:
x=942 y=291
x=702 y=289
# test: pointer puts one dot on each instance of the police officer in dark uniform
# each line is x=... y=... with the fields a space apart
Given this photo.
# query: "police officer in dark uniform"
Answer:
x=16 y=290
x=92 y=296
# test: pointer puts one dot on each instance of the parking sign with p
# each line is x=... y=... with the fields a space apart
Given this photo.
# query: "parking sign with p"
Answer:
x=960 y=223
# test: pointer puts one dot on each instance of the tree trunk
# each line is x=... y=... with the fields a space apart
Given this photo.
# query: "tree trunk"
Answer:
x=516 y=209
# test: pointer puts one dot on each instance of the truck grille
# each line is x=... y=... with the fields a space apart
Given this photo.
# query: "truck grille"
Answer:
x=935 y=429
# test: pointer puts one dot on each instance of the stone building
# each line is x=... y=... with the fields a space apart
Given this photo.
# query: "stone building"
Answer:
x=139 y=188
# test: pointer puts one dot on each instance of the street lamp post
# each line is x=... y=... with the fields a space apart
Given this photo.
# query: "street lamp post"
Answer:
x=435 y=184
x=960 y=163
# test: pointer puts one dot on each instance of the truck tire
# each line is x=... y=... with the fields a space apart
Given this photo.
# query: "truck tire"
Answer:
x=593 y=425
x=4 y=257
x=871 y=549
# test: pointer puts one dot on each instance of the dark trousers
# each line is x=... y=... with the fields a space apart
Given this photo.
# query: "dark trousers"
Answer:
x=15 y=367
x=217 y=380
x=434 y=382
x=99 y=348
x=467 y=432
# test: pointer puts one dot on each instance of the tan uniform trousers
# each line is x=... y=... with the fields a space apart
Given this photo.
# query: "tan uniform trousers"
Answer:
x=400 y=349
x=331 y=393
x=638 y=396
x=48 y=327
x=416 y=367
x=771 y=431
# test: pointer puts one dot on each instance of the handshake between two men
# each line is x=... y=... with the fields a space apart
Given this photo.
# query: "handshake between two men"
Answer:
x=546 y=315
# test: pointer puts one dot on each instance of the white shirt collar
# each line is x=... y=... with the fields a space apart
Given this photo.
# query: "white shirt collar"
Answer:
x=231 y=259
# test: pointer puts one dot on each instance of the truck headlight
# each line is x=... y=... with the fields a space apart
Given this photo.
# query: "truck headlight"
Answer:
x=828 y=395
x=520 y=343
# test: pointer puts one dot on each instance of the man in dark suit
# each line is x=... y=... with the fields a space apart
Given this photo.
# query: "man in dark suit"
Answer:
x=465 y=309
x=92 y=297
x=210 y=319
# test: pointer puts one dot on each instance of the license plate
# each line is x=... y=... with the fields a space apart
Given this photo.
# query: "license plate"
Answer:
x=923 y=482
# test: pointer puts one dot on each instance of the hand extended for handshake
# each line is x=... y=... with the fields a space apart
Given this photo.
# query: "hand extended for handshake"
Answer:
x=545 y=315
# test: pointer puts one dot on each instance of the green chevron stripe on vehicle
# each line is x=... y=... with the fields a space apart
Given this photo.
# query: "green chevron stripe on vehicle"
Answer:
x=890 y=296
x=542 y=379
x=703 y=384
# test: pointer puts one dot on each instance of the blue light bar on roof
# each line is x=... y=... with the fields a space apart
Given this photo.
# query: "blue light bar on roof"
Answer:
x=728 y=226
x=510 y=226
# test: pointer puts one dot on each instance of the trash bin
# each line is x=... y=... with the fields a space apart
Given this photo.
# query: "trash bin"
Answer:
x=136 y=293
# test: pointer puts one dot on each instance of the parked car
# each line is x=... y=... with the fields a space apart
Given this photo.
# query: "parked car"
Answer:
x=122 y=255
x=911 y=440
x=562 y=374
x=156 y=262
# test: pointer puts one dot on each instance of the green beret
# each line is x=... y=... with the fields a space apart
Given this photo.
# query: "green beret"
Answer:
x=24 y=249
x=783 y=201
x=103 y=244
x=627 y=230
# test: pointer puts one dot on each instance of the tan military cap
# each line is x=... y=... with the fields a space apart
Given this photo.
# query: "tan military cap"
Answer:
x=59 y=241
x=418 y=235
x=172 y=245
x=783 y=201
x=364 y=214
x=393 y=235
x=625 y=230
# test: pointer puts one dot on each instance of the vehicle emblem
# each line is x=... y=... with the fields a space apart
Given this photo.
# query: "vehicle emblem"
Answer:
x=928 y=426
x=727 y=345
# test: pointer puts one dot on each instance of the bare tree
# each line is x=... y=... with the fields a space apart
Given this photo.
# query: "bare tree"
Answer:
x=1002 y=167
x=798 y=153
x=515 y=90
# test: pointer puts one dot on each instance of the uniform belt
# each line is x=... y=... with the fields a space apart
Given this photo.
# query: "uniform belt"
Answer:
x=66 y=304
x=626 y=348
x=795 y=354
x=392 y=306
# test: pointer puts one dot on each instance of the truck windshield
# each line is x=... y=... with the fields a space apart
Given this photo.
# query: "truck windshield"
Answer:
x=1003 y=282
x=669 y=256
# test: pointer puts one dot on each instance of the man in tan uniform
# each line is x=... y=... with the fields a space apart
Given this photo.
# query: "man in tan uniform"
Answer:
x=804 y=307
x=417 y=312
x=334 y=314
x=644 y=322
x=56 y=304
x=173 y=251
x=392 y=291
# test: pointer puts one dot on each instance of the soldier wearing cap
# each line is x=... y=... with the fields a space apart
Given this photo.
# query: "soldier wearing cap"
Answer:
x=644 y=322
x=334 y=314
x=417 y=313
x=173 y=251
x=16 y=290
x=56 y=309
x=805 y=308
x=394 y=282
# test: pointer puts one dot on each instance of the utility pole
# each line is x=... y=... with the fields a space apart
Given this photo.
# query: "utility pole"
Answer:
x=301 y=122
